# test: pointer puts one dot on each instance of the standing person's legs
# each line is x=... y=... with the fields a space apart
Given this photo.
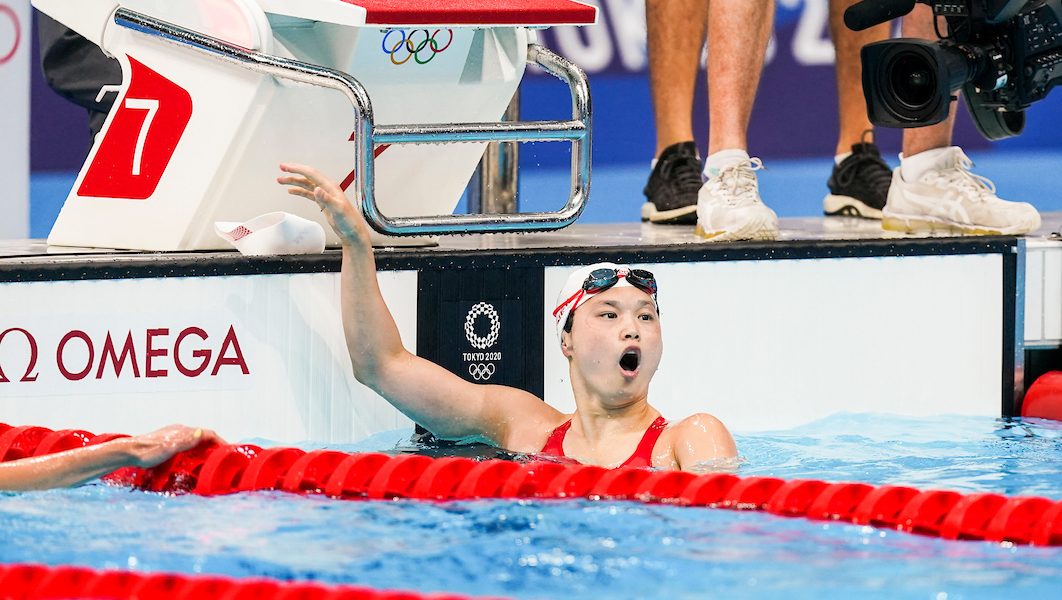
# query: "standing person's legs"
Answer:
x=738 y=32
x=729 y=205
x=676 y=31
x=934 y=189
x=919 y=24
x=859 y=183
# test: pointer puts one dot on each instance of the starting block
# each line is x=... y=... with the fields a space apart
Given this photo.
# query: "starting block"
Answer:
x=217 y=93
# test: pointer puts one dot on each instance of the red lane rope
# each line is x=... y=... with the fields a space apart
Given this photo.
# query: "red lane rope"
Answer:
x=39 y=582
x=212 y=469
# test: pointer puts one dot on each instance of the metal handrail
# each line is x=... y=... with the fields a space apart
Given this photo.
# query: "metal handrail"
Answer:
x=368 y=135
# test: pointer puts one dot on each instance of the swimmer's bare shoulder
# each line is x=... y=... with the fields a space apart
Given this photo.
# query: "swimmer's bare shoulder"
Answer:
x=698 y=439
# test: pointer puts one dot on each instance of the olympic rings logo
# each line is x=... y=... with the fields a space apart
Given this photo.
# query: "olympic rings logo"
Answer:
x=481 y=371
x=6 y=57
x=412 y=45
x=480 y=342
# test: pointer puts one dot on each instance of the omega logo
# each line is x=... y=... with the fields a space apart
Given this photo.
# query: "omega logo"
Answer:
x=191 y=352
x=10 y=34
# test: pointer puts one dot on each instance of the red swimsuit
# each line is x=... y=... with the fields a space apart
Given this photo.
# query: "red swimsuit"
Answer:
x=643 y=454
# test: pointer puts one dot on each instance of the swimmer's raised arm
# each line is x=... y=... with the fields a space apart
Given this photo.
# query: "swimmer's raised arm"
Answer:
x=64 y=469
x=440 y=401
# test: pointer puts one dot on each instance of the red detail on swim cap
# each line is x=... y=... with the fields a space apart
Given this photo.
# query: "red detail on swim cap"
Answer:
x=239 y=233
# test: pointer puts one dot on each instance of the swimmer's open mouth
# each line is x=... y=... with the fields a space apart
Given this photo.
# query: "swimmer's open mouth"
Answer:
x=630 y=360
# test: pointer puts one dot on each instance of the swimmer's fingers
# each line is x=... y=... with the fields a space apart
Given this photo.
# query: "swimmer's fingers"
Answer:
x=309 y=183
x=312 y=177
x=297 y=181
x=153 y=448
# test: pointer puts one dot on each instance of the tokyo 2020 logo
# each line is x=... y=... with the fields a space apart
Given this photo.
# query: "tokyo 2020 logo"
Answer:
x=10 y=34
x=418 y=44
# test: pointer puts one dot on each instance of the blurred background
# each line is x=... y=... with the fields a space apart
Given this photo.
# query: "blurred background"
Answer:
x=793 y=129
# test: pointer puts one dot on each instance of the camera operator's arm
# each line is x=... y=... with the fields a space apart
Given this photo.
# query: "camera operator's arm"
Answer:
x=76 y=69
x=435 y=398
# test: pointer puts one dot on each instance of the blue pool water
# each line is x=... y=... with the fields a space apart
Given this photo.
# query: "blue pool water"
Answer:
x=566 y=549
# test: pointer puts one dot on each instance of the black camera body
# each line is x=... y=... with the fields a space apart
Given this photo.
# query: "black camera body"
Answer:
x=1003 y=54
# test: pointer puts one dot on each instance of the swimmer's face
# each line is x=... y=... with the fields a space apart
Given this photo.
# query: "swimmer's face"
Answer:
x=615 y=342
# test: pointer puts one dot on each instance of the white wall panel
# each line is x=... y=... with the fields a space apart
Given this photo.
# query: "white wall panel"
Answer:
x=299 y=384
x=773 y=344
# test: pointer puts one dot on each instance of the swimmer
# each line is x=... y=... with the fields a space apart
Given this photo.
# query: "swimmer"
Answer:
x=608 y=323
x=73 y=467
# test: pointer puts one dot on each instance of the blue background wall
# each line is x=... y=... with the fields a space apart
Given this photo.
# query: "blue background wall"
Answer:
x=793 y=127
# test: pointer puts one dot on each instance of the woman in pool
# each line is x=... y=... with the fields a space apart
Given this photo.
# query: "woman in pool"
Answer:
x=609 y=331
x=79 y=465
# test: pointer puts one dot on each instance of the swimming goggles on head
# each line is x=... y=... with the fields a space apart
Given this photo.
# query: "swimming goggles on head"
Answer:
x=602 y=279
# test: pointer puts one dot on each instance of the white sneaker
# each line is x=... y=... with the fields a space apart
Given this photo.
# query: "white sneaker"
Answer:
x=950 y=198
x=729 y=206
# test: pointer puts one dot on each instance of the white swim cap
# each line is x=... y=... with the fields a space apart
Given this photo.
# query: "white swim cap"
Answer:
x=273 y=233
x=574 y=294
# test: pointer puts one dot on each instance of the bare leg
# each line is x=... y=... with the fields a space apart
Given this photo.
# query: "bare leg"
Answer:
x=738 y=31
x=851 y=102
x=676 y=36
x=919 y=24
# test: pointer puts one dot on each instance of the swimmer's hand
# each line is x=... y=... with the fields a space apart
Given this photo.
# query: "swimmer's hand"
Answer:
x=346 y=220
x=151 y=449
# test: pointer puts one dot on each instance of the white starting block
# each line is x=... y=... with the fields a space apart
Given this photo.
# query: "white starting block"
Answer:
x=217 y=93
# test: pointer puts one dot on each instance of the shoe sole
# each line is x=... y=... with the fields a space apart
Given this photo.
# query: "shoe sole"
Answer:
x=687 y=215
x=757 y=233
x=922 y=224
x=847 y=206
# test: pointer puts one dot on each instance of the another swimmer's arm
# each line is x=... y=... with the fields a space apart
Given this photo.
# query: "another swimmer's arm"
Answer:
x=701 y=439
x=72 y=467
x=445 y=404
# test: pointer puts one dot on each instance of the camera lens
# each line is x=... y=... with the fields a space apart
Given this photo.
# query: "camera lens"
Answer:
x=912 y=81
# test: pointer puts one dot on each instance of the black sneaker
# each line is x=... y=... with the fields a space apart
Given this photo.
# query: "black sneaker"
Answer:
x=671 y=194
x=859 y=185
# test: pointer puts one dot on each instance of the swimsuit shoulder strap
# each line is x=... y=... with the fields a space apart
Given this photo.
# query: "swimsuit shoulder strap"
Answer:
x=643 y=454
x=555 y=444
